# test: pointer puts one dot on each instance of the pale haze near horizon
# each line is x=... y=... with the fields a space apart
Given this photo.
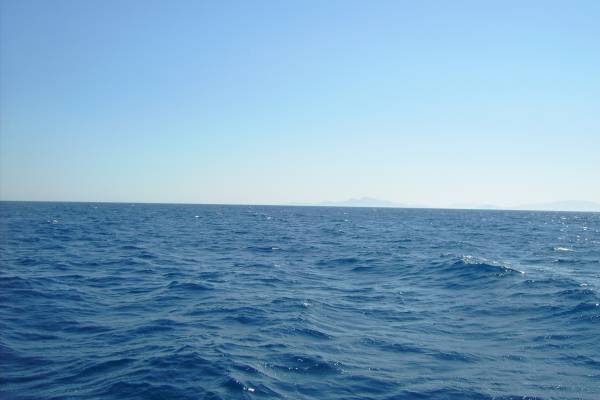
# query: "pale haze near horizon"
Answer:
x=434 y=103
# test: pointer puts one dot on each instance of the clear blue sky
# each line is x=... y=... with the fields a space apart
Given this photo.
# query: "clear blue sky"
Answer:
x=429 y=102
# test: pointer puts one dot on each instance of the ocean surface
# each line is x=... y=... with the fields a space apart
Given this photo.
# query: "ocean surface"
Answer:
x=133 y=301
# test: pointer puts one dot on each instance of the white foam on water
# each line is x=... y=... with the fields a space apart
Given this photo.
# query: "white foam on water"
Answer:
x=563 y=249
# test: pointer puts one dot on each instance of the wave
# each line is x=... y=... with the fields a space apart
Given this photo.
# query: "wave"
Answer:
x=563 y=249
x=305 y=364
x=189 y=286
x=305 y=332
x=468 y=270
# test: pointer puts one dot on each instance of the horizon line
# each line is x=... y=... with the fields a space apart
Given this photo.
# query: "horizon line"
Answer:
x=497 y=208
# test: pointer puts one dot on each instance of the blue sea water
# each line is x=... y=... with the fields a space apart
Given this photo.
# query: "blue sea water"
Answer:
x=133 y=301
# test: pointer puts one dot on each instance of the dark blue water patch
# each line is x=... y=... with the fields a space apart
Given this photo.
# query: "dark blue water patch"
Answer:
x=15 y=283
x=102 y=368
x=139 y=301
x=27 y=261
x=457 y=394
x=155 y=327
x=339 y=261
x=363 y=269
x=263 y=249
x=189 y=286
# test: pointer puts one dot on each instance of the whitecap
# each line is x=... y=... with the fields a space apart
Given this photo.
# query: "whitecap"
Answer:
x=563 y=249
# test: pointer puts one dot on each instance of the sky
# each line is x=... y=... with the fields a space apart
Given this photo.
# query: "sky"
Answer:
x=277 y=102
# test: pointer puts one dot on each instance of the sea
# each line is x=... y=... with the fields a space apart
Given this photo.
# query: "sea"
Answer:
x=158 y=301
